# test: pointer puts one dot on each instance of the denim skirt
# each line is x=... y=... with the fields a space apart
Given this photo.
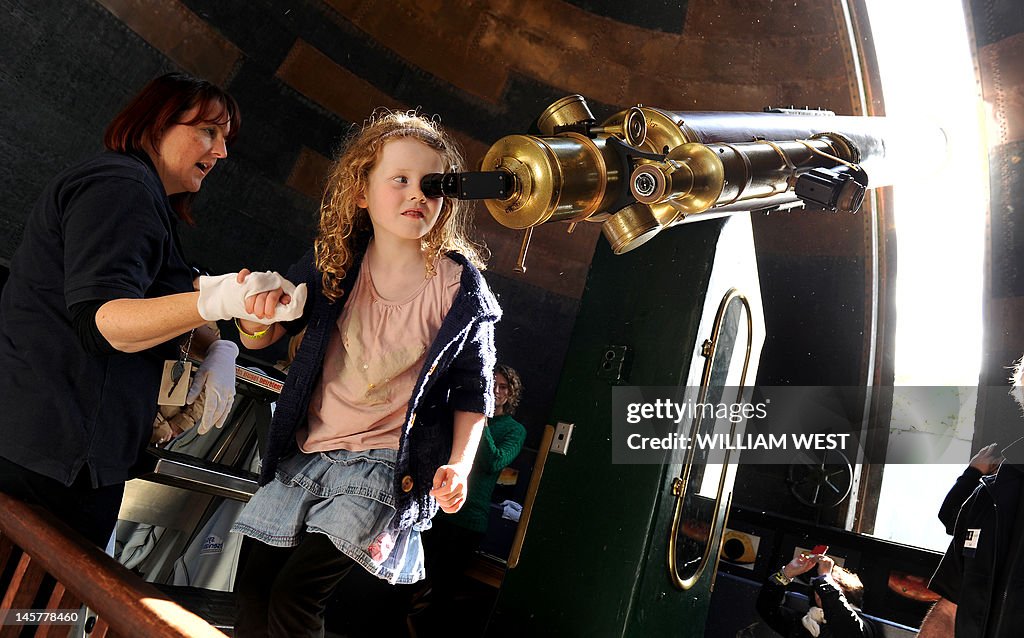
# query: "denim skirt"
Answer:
x=347 y=496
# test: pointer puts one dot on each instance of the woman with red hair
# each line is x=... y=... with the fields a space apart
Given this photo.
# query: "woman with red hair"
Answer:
x=100 y=301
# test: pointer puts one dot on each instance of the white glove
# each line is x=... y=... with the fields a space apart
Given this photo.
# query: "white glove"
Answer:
x=217 y=375
x=222 y=297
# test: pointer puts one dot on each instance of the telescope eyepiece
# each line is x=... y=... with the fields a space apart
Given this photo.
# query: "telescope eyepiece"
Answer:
x=835 y=189
x=469 y=185
x=433 y=185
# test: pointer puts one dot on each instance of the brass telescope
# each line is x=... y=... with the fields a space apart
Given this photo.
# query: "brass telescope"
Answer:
x=645 y=169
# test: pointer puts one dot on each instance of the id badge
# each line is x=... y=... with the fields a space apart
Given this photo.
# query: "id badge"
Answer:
x=971 y=542
x=972 y=538
x=174 y=383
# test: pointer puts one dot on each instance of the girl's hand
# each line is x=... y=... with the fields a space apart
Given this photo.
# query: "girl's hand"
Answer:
x=450 y=488
x=263 y=304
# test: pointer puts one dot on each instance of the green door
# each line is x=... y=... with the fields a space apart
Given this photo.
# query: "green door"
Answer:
x=595 y=557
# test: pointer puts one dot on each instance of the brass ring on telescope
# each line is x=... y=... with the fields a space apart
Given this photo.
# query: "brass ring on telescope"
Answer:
x=630 y=227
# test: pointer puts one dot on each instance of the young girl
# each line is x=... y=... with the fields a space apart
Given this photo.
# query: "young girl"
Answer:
x=385 y=401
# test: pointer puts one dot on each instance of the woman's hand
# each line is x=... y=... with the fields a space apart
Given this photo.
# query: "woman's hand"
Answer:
x=987 y=459
x=228 y=296
x=217 y=375
x=450 y=487
x=801 y=564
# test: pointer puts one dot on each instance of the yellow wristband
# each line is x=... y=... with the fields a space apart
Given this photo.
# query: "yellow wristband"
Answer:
x=255 y=335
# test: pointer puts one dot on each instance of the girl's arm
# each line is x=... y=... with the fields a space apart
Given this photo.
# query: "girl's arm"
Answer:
x=250 y=330
x=465 y=439
x=451 y=480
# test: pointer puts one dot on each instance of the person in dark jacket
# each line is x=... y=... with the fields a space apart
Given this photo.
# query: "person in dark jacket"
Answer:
x=386 y=398
x=838 y=594
x=985 y=462
x=980 y=596
x=979 y=576
x=100 y=299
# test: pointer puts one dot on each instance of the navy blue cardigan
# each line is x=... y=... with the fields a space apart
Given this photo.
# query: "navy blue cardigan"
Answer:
x=456 y=375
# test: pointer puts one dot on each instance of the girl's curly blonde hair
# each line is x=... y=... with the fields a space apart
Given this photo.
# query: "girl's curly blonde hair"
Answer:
x=343 y=224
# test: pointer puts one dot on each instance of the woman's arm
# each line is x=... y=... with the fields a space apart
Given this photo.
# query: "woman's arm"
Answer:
x=960 y=492
x=133 y=325
x=940 y=620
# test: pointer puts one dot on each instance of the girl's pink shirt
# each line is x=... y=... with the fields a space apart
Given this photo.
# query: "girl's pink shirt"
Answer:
x=374 y=357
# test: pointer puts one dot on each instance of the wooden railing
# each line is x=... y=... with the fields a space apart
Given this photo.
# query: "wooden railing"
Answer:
x=125 y=604
x=531 y=496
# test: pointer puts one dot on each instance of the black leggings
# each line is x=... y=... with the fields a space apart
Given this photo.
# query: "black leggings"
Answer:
x=282 y=591
x=90 y=511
